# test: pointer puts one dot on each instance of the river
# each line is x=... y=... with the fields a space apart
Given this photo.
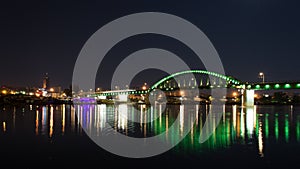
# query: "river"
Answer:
x=51 y=135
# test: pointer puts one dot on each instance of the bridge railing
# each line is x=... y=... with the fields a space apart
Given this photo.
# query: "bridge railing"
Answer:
x=273 y=85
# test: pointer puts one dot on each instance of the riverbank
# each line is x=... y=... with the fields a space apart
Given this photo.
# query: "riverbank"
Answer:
x=33 y=100
x=25 y=99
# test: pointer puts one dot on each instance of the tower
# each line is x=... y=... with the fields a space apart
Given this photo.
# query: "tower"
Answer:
x=46 y=81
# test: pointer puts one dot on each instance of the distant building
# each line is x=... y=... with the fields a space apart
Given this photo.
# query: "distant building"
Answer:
x=46 y=82
x=55 y=92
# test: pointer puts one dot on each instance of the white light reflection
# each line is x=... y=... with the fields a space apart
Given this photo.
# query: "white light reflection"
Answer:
x=73 y=116
x=197 y=113
x=192 y=127
x=37 y=122
x=63 y=121
x=101 y=120
x=90 y=118
x=167 y=125
x=291 y=112
x=242 y=124
x=254 y=116
x=145 y=119
x=44 y=120
x=116 y=117
x=260 y=140
x=181 y=119
x=141 y=117
x=250 y=121
x=160 y=111
x=234 y=107
x=224 y=113
x=51 y=122
x=122 y=116
x=4 y=126
x=80 y=108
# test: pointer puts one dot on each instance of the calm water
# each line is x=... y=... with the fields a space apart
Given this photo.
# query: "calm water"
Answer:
x=263 y=137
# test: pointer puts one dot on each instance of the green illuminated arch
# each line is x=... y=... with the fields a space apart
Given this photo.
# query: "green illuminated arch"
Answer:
x=227 y=78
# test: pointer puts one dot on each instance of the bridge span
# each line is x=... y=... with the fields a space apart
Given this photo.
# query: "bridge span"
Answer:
x=203 y=80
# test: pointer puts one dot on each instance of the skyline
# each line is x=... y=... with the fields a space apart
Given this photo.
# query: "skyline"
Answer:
x=250 y=37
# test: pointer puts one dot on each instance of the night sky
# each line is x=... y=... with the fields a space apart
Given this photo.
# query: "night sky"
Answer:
x=250 y=36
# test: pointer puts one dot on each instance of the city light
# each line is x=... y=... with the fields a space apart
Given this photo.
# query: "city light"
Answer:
x=267 y=86
x=287 y=86
x=4 y=91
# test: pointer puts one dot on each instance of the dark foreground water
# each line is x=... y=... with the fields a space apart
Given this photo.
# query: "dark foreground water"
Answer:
x=42 y=136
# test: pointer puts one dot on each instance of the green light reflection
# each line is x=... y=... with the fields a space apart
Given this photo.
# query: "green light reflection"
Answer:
x=235 y=128
x=286 y=128
x=276 y=127
x=267 y=126
x=298 y=128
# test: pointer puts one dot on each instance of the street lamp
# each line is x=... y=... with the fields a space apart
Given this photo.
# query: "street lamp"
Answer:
x=262 y=76
x=144 y=87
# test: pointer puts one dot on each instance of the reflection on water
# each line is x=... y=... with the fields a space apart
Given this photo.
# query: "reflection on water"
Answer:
x=259 y=127
x=243 y=126
x=260 y=140
x=36 y=122
x=4 y=126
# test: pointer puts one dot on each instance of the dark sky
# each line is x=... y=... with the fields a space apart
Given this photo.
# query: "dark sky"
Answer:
x=250 y=36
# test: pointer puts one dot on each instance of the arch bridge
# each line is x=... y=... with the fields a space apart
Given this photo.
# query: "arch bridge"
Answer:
x=203 y=79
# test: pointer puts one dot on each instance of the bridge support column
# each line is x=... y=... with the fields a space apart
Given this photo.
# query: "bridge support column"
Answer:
x=248 y=98
x=122 y=98
x=102 y=97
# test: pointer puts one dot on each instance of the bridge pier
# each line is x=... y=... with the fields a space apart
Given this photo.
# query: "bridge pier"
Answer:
x=247 y=98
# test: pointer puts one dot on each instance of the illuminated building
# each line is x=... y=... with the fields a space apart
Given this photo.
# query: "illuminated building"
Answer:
x=46 y=81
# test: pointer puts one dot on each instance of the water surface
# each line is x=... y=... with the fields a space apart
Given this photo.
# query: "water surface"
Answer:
x=259 y=137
